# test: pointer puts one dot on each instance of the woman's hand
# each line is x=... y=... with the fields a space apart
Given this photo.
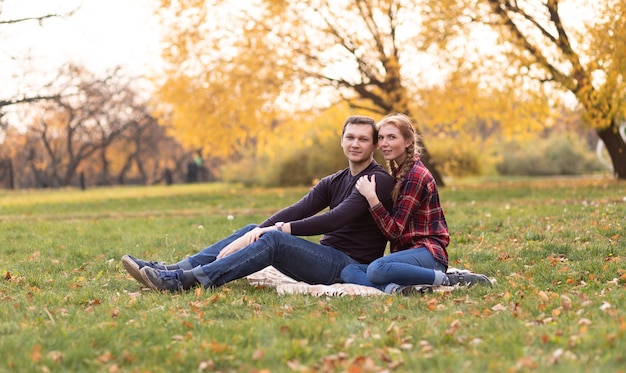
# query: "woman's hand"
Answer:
x=367 y=188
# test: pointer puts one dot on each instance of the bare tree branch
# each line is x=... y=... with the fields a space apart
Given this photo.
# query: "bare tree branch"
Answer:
x=26 y=100
x=38 y=19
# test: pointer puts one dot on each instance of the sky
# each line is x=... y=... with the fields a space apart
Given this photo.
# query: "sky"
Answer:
x=101 y=35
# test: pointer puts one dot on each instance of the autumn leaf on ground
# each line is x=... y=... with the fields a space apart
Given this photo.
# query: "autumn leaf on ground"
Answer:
x=35 y=354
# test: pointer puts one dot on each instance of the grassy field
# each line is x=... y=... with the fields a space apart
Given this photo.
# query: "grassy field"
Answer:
x=556 y=247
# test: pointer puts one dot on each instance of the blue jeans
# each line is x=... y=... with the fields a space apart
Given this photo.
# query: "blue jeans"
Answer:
x=296 y=257
x=407 y=267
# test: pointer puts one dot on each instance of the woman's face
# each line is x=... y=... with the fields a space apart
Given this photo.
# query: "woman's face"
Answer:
x=392 y=144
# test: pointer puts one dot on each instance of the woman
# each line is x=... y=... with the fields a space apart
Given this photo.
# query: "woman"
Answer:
x=416 y=227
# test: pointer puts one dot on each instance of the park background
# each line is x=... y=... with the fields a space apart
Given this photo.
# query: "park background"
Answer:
x=493 y=87
x=511 y=97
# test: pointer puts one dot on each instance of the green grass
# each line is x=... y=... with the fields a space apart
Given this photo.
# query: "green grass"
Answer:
x=556 y=247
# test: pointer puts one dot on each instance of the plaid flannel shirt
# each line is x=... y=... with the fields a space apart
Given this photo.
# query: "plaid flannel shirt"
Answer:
x=417 y=218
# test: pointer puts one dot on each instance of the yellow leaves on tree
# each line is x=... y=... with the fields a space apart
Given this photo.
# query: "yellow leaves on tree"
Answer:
x=221 y=83
x=461 y=105
x=572 y=47
x=226 y=81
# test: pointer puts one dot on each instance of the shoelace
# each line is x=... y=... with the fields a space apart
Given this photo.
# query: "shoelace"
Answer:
x=170 y=275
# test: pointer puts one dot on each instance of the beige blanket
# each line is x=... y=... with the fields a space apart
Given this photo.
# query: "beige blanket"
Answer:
x=271 y=277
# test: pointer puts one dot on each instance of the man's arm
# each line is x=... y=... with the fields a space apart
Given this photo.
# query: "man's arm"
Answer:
x=312 y=203
x=316 y=200
x=347 y=211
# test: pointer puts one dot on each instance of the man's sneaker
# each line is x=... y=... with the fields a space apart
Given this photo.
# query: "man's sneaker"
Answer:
x=134 y=265
x=409 y=290
x=468 y=278
x=171 y=281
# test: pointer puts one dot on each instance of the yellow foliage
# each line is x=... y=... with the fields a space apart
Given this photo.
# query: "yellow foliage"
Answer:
x=579 y=51
x=462 y=105
x=226 y=82
x=236 y=72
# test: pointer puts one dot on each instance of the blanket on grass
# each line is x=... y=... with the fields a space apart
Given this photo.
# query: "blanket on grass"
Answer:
x=284 y=284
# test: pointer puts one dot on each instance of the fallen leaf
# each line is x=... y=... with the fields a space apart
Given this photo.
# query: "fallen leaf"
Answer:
x=206 y=365
x=258 y=354
x=556 y=355
x=566 y=302
x=297 y=366
x=56 y=356
x=106 y=357
x=218 y=348
x=605 y=306
x=432 y=304
x=526 y=363
x=134 y=294
x=35 y=354
x=454 y=325
x=425 y=346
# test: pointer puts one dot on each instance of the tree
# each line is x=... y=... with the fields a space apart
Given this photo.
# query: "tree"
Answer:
x=355 y=50
x=72 y=127
x=575 y=47
x=220 y=97
x=97 y=130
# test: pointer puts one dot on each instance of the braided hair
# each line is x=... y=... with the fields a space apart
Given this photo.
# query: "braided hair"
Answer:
x=398 y=171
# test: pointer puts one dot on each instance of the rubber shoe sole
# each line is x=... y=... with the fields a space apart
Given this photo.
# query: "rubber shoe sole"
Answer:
x=133 y=269
x=469 y=279
x=414 y=290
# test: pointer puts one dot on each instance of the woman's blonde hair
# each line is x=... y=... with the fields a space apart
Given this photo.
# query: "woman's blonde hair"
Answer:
x=398 y=171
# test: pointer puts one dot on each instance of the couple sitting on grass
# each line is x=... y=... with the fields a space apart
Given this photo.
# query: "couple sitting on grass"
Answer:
x=367 y=207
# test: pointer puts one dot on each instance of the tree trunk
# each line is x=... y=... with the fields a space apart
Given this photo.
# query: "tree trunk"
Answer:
x=615 y=141
x=11 y=178
x=432 y=166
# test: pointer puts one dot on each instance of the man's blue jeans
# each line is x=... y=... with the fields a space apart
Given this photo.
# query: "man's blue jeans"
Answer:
x=406 y=267
x=296 y=257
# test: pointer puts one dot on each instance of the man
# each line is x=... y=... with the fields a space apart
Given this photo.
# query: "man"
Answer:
x=350 y=234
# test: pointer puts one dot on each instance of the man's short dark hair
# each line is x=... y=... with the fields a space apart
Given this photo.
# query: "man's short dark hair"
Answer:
x=361 y=119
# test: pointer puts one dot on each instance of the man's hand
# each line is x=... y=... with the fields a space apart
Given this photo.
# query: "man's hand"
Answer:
x=233 y=247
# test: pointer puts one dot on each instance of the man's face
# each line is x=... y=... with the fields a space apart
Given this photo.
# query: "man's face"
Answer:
x=358 y=143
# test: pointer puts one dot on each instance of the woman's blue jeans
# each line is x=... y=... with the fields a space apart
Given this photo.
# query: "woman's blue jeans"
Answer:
x=407 y=267
x=296 y=257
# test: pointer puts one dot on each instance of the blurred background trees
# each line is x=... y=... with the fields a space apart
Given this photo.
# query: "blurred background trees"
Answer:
x=93 y=131
x=257 y=93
